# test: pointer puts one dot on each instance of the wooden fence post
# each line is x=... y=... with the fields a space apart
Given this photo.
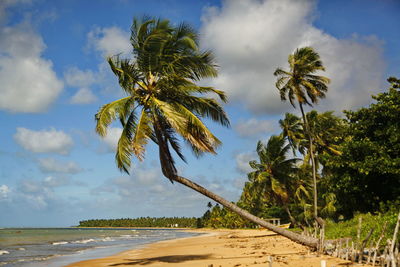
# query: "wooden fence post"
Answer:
x=391 y=252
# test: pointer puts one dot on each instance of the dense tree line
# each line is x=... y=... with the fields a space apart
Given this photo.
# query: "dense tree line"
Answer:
x=181 y=222
x=357 y=161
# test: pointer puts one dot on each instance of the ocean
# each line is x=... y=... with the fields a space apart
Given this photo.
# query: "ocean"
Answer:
x=55 y=247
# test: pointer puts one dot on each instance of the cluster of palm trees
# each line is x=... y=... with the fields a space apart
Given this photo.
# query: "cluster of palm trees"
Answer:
x=165 y=105
x=285 y=181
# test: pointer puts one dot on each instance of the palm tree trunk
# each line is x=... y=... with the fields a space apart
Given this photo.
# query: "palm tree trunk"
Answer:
x=304 y=240
x=314 y=171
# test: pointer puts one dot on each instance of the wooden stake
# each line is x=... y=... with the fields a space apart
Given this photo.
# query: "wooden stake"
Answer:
x=270 y=261
x=358 y=244
x=378 y=243
x=391 y=252
x=364 y=243
x=339 y=251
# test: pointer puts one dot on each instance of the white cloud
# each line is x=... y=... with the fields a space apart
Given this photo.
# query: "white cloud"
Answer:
x=254 y=127
x=81 y=79
x=110 y=41
x=45 y=141
x=4 y=191
x=28 y=81
x=30 y=186
x=252 y=38
x=242 y=161
x=51 y=181
x=112 y=137
x=39 y=194
x=34 y=193
x=51 y=165
x=83 y=96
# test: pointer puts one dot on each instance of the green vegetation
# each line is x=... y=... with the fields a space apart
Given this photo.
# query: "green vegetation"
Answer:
x=367 y=172
x=358 y=163
x=180 y=222
x=381 y=222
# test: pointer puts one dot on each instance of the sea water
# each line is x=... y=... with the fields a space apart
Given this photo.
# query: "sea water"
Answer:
x=61 y=246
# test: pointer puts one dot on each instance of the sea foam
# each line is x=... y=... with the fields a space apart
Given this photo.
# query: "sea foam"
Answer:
x=83 y=241
x=59 y=243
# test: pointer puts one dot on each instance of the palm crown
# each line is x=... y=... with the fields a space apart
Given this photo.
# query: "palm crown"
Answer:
x=163 y=100
x=301 y=83
x=274 y=171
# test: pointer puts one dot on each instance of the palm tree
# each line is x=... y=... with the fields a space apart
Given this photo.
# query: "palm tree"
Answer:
x=275 y=173
x=164 y=101
x=300 y=83
x=292 y=130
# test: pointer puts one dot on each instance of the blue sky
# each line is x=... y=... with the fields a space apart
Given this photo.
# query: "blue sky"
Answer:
x=55 y=171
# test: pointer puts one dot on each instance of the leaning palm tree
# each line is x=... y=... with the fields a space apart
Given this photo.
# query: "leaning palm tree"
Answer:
x=163 y=102
x=302 y=84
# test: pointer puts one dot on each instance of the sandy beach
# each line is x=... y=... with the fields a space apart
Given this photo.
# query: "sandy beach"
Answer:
x=220 y=248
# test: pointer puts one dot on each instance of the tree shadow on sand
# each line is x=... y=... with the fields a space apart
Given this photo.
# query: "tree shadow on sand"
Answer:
x=168 y=259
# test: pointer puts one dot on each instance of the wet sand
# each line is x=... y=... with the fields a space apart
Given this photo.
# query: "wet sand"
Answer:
x=220 y=248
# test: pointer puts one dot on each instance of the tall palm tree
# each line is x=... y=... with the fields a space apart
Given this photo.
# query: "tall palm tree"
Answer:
x=302 y=84
x=275 y=173
x=163 y=101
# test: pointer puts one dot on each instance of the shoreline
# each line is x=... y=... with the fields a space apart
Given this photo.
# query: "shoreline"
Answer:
x=218 y=247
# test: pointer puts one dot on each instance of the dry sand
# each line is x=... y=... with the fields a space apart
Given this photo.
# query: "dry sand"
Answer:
x=220 y=248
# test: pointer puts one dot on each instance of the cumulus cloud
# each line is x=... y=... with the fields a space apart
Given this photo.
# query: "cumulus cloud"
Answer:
x=28 y=81
x=110 y=41
x=81 y=79
x=83 y=96
x=51 y=165
x=45 y=141
x=254 y=127
x=242 y=161
x=39 y=193
x=34 y=193
x=252 y=38
x=4 y=191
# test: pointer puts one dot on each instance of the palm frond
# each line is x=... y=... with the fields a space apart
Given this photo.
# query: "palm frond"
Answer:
x=141 y=135
x=187 y=125
x=109 y=113
x=124 y=147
